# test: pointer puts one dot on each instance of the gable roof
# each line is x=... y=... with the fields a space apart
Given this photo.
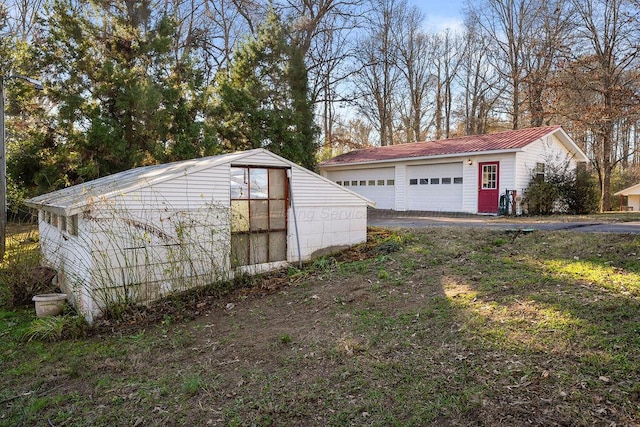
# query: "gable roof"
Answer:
x=629 y=191
x=508 y=141
x=77 y=196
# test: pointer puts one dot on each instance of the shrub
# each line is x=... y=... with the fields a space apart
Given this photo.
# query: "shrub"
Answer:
x=541 y=197
x=579 y=193
x=562 y=190
x=22 y=276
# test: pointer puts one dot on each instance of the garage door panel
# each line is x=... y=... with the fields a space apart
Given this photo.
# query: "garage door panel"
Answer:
x=436 y=187
x=377 y=184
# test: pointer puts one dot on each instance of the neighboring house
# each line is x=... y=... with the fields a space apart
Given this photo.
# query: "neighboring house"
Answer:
x=465 y=174
x=633 y=197
x=143 y=233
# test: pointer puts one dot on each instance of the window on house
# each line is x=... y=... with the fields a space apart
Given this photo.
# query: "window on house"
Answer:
x=54 y=220
x=435 y=180
x=381 y=182
x=413 y=182
x=489 y=177
x=391 y=182
x=424 y=181
x=457 y=180
x=258 y=215
x=339 y=182
x=363 y=183
x=446 y=180
x=63 y=223
x=372 y=182
x=354 y=183
x=539 y=171
x=345 y=183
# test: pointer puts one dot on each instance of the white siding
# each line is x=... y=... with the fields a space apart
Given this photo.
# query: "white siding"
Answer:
x=70 y=256
x=328 y=216
x=401 y=188
x=506 y=178
x=143 y=255
x=547 y=150
x=325 y=229
x=185 y=192
x=470 y=186
x=633 y=202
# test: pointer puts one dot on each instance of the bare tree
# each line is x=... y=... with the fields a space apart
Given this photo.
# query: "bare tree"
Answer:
x=377 y=74
x=23 y=18
x=550 y=37
x=510 y=24
x=480 y=84
x=448 y=56
x=226 y=23
x=415 y=56
x=604 y=69
x=324 y=30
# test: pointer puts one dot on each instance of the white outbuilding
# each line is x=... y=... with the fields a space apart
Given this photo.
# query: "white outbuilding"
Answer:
x=633 y=197
x=143 y=233
x=466 y=174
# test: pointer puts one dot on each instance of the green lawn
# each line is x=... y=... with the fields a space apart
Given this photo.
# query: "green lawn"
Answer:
x=459 y=327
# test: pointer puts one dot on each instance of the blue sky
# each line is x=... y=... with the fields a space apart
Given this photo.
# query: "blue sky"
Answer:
x=441 y=14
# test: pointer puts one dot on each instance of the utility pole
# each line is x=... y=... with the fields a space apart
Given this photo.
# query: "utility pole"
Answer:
x=3 y=159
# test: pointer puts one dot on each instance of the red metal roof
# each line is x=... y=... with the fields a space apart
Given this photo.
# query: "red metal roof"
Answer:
x=508 y=140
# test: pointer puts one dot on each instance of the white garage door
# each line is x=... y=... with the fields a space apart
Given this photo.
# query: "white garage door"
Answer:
x=435 y=187
x=376 y=184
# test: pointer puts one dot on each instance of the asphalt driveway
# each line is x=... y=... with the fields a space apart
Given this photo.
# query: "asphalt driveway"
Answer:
x=428 y=219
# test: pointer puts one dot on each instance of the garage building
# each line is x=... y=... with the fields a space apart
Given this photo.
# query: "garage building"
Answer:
x=465 y=174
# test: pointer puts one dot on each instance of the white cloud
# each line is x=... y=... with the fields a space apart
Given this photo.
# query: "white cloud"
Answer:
x=438 y=24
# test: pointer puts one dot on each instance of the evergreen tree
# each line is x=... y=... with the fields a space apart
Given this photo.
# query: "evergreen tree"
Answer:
x=26 y=121
x=123 y=99
x=263 y=98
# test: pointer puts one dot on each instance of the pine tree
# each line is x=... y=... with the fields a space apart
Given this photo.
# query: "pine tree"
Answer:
x=123 y=99
x=263 y=98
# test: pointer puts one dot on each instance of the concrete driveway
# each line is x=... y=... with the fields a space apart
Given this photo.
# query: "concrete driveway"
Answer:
x=427 y=219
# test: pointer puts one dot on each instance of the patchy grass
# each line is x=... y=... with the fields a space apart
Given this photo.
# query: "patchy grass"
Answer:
x=446 y=326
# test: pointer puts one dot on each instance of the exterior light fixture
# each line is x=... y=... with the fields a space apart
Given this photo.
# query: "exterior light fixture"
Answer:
x=3 y=161
x=469 y=162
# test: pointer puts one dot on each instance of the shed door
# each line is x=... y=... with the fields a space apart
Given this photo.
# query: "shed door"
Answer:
x=489 y=175
x=258 y=215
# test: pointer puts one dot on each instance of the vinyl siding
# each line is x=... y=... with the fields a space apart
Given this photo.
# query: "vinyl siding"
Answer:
x=547 y=150
x=185 y=192
x=70 y=256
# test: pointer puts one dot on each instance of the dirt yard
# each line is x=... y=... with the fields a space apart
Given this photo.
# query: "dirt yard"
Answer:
x=445 y=326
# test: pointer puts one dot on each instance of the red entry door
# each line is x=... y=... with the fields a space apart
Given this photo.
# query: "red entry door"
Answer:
x=488 y=182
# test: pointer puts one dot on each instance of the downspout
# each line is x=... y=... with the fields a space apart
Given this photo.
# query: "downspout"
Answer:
x=295 y=218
